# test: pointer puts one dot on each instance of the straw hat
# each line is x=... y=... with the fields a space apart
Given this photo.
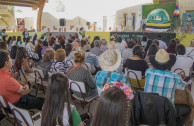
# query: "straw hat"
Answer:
x=110 y=60
x=162 y=60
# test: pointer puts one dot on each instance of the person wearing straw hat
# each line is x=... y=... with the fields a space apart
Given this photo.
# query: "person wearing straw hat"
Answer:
x=159 y=79
x=163 y=82
x=109 y=62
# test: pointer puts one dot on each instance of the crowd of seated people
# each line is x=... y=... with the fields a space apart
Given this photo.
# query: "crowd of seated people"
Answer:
x=95 y=65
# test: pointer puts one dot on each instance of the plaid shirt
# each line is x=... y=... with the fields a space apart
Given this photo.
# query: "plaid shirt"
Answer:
x=92 y=59
x=103 y=77
x=163 y=82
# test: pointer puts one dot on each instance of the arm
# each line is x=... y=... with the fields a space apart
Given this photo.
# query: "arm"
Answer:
x=27 y=67
x=24 y=89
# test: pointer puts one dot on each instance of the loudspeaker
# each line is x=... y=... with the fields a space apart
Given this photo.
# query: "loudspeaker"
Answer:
x=62 y=22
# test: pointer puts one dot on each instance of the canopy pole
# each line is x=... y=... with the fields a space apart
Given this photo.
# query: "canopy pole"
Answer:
x=39 y=18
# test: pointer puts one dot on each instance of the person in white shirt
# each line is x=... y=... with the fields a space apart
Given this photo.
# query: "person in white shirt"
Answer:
x=182 y=61
x=119 y=44
x=190 y=50
x=128 y=53
x=144 y=21
x=162 y=45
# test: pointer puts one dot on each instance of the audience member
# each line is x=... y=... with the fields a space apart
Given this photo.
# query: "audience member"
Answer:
x=45 y=64
x=167 y=80
x=163 y=82
x=9 y=41
x=177 y=41
x=136 y=62
x=128 y=52
x=29 y=44
x=13 y=91
x=62 y=43
x=96 y=50
x=172 y=47
x=120 y=46
x=156 y=42
x=162 y=45
x=57 y=46
x=58 y=109
x=113 y=109
x=144 y=41
x=91 y=59
x=83 y=43
x=182 y=61
x=69 y=52
x=34 y=40
x=147 y=47
x=190 y=49
x=95 y=38
x=3 y=45
x=20 y=43
x=21 y=61
x=78 y=73
x=152 y=51
x=59 y=65
x=50 y=36
x=104 y=45
x=52 y=42
x=13 y=53
x=45 y=47
x=109 y=62
x=38 y=49
x=14 y=42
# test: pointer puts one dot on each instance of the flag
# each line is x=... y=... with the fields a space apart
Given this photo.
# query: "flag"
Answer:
x=176 y=11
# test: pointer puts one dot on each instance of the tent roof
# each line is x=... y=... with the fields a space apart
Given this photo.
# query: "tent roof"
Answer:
x=24 y=3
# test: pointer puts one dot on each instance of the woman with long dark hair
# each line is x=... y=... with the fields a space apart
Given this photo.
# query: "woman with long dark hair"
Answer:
x=20 y=43
x=172 y=47
x=38 y=49
x=57 y=109
x=34 y=40
x=9 y=40
x=69 y=52
x=148 y=46
x=152 y=51
x=62 y=43
x=113 y=109
x=21 y=61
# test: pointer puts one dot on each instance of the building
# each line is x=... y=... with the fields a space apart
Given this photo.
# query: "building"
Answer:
x=129 y=18
x=7 y=17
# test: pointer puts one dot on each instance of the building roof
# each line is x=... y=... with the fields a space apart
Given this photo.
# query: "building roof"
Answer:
x=25 y=3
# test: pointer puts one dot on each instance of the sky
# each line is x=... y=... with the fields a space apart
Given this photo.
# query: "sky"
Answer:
x=91 y=10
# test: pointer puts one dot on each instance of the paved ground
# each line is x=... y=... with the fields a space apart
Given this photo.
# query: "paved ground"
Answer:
x=80 y=109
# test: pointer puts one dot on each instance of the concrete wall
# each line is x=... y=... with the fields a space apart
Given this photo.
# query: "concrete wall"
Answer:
x=185 y=5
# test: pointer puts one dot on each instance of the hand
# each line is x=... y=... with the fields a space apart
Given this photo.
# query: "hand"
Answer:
x=26 y=90
x=14 y=74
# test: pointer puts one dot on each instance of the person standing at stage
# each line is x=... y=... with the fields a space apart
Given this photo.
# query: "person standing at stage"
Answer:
x=189 y=23
x=144 y=21
x=162 y=45
x=25 y=34
x=3 y=35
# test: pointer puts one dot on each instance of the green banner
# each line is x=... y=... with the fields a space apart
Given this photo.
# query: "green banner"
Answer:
x=159 y=13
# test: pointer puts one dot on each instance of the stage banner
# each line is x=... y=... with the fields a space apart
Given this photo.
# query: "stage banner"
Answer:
x=128 y=36
x=159 y=16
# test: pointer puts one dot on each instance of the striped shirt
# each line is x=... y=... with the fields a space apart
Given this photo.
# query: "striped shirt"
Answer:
x=163 y=82
x=103 y=77
x=59 y=67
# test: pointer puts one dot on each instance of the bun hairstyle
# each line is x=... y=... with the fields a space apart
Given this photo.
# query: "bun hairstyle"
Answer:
x=79 y=57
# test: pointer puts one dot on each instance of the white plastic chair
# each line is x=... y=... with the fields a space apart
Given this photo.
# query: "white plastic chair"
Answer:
x=3 y=106
x=24 y=116
x=80 y=87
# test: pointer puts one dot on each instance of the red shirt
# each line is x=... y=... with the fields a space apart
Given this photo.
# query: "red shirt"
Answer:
x=9 y=87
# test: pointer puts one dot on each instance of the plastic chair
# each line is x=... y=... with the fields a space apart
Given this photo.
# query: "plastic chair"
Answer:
x=3 y=105
x=80 y=87
x=39 y=75
x=23 y=117
x=136 y=75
